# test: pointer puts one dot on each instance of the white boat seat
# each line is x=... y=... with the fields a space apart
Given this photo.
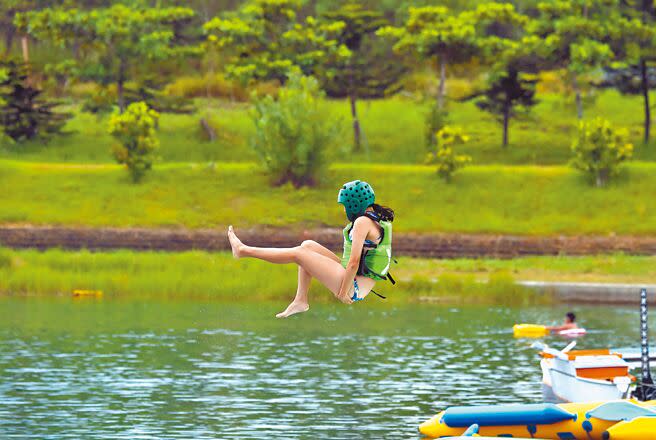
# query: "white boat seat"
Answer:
x=601 y=361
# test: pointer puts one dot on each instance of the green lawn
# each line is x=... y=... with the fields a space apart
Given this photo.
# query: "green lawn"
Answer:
x=393 y=133
x=217 y=275
x=491 y=198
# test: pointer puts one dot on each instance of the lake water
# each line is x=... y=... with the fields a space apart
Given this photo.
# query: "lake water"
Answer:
x=110 y=369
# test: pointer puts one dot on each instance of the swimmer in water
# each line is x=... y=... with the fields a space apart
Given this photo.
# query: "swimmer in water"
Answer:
x=568 y=324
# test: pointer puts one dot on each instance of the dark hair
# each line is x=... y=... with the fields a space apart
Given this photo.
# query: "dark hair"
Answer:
x=571 y=316
x=385 y=213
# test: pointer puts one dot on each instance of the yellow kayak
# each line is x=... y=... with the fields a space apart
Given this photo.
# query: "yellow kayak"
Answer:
x=539 y=331
x=530 y=330
x=588 y=421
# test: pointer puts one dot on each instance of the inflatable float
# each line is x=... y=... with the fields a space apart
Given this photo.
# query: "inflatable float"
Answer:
x=539 y=331
x=472 y=431
x=617 y=420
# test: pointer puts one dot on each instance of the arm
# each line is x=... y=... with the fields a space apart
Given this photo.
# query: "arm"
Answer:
x=360 y=231
x=560 y=328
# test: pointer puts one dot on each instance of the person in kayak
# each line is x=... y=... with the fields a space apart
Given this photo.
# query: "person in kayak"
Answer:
x=366 y=258
x=569 y=324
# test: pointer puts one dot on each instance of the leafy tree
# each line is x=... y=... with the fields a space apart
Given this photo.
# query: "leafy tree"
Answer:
x=576 y=36
x=511 y=54
x=8 y=10
x=635 y=39
x=509 y=94
x=137 y=141
x=265 y=40
x=293 y=133
x=358 y=23
x=599 y=149
x=23 y=112
x=436 y=33
x=4 y=74
x=113 y=40
x=448 y=162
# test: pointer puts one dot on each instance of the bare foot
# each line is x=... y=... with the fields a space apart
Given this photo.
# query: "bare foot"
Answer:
x=293 y=308
x=235 y=243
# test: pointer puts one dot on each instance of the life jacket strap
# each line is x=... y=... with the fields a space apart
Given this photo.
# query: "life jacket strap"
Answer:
x=389 y=277
x=378 y=294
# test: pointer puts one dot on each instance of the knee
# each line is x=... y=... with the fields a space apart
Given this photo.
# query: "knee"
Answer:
x=308 y=244
x=298 y=252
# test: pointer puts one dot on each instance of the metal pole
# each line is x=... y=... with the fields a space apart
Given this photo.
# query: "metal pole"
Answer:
x=646 y=389
x=644 y=338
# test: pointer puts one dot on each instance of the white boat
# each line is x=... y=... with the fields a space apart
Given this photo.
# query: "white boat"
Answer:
x=583 y=375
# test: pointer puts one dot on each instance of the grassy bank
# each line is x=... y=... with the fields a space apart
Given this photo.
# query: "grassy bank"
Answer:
x=616 y=268
x=552 y=200
x=219 y=276
x=393 y=133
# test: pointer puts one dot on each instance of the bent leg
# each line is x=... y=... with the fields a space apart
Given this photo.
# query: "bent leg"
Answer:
x=327 y=270
x=300 y=303
x=319 y=249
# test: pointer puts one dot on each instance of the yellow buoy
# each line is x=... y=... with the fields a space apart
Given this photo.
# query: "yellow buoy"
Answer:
x=78 y=293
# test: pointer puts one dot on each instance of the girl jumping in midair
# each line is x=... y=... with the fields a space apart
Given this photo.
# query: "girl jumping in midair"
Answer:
x=366 y=258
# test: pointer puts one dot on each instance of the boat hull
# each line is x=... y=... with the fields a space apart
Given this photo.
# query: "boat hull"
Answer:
x=561 y=384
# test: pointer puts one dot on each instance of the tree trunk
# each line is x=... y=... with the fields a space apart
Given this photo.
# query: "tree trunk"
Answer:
x=120 y=86
x=26 y=49
x=579 y=100
x=441 y=91
x=9 y=39
x=644 y=83
x=354 y=110
x=601 y=178
x=506 y=123
x=356 y=123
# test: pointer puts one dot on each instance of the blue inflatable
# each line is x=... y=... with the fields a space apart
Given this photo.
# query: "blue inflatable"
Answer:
x=503 y=415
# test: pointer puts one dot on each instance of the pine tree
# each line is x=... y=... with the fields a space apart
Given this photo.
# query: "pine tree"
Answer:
x=24 y=114
x=507 y=96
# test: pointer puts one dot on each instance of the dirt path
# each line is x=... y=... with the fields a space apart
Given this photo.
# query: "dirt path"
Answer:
x=421 y=245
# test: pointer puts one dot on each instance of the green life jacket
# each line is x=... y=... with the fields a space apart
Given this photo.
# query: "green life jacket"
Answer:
x=376 y=258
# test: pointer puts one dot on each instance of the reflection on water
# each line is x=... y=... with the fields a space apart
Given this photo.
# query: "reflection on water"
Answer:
x=127 y=369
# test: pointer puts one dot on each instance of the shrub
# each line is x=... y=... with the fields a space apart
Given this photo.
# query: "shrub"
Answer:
x=135 y=131
x=599 y=149
x=102 y=100
x=217 y=86
x=6 y=261
x=293 y=133
x=448 y=162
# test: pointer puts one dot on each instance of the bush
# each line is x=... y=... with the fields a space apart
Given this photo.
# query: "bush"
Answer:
x=293 y=133
x=448 y=162
x=135 y=131
x=216 y=86
x=599 y=150
x=102 y=100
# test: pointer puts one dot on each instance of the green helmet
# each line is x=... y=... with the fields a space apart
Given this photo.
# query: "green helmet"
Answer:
x=356 y=197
